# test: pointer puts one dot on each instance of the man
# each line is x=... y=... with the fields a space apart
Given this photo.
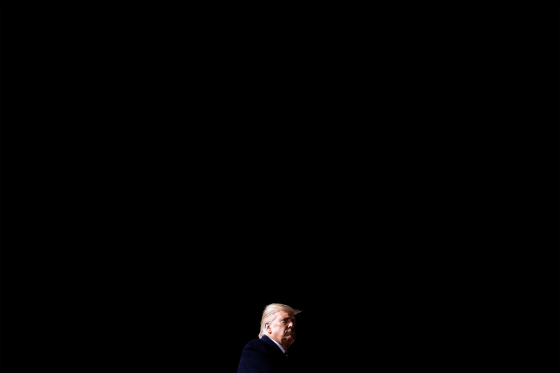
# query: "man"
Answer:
x=269 y=353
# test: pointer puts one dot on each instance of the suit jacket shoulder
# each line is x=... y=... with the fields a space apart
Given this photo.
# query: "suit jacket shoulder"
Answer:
x=262 y=356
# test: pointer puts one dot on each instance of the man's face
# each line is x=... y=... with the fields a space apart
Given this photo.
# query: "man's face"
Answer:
x=283 y=328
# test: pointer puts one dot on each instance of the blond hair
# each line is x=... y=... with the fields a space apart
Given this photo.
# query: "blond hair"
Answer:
x=270 y=311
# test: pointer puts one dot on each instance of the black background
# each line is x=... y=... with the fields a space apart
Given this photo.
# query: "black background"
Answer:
x=164 y=179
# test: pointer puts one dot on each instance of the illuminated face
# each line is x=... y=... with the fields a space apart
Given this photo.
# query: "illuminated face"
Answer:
x=283 y=328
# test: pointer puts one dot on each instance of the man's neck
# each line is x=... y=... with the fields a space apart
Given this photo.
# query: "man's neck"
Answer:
x=284 y=345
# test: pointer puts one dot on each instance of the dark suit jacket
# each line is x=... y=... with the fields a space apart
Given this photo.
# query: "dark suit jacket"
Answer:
x=263 y=356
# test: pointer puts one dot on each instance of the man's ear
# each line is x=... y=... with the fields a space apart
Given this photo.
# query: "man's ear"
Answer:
x=267 y=328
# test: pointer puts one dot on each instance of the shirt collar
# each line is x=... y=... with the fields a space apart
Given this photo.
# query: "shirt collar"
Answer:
x=278 y=344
